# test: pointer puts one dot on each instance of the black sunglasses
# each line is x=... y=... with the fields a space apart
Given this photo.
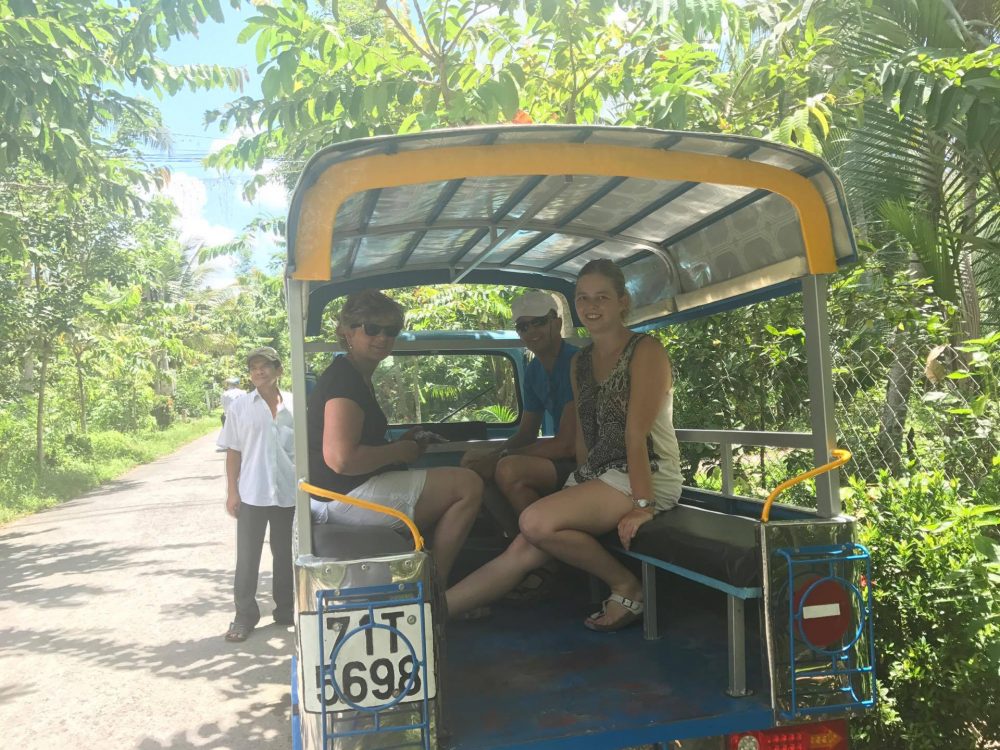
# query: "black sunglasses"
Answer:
x=374 y=329
x=523 y=325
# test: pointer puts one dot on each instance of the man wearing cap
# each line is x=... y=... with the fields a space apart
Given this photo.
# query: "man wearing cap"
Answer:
x=526 y=468
x=260 y=479
x=232 y=392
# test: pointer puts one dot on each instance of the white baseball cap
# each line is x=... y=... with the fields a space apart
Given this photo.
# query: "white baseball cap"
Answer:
x=533 y=305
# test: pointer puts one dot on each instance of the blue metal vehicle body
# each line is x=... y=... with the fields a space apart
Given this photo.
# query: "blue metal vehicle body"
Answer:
x=737 y=634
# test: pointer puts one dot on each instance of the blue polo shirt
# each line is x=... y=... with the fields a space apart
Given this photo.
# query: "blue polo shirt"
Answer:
x=549 y=392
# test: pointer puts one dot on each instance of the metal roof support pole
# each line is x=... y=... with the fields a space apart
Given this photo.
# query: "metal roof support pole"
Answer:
x=821 y=406
x=296 y=297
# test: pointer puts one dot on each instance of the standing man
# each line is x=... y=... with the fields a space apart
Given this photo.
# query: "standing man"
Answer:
x=232 y=392
x=260 y=480
x=526 y=468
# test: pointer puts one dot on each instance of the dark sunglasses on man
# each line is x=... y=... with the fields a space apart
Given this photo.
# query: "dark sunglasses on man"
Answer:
x=525 y=323
x=374 y=329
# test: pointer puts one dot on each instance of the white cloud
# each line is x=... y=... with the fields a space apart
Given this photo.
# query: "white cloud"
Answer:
x=190 y=196
x=271 y=196
x=230 y=139
x=220 y=273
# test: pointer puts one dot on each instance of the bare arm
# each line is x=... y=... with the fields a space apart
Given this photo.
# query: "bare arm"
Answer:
x=343 y=452
x=527 y=432
x=651 y=378
x=484 y=462
x=580 y=446
x=234 y=462
x=563 y=445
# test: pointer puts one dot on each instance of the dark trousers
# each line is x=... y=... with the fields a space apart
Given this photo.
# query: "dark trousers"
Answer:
x=251 y=523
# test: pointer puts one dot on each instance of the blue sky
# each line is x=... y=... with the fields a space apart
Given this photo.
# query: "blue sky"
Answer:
x=212 y=208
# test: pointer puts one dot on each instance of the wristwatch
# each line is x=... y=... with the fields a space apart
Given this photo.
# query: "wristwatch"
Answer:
x=642 y=503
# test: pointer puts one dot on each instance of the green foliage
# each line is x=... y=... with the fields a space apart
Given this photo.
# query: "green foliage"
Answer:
x=61 y=73
x=84 y=462
x=103 y=321
x=193 y=392
x=936 y=580
x=498 y=413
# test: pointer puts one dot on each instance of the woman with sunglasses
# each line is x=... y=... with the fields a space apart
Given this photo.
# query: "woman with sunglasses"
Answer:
x=349 y=453
x=627 y=455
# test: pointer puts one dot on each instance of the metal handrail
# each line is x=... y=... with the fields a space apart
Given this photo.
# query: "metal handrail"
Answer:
x=841 y=457
x=418 y=540
x=747 y=437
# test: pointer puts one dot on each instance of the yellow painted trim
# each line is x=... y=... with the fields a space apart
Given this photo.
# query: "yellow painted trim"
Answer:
x=324 y=198
x=841 y=457
x=418 y=540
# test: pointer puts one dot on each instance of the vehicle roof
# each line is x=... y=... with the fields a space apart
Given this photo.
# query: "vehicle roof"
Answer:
x=697 y=222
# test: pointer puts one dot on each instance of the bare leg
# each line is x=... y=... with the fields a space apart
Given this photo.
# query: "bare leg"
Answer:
x=565 y=524
x=449 y=504
x=495 y=578
x=524 y=479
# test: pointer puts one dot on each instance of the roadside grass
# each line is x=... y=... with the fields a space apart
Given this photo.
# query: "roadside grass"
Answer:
x=108 y=456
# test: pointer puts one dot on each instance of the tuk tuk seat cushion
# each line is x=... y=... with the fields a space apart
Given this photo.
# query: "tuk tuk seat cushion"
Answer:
x=341 y=542
x=712 y=544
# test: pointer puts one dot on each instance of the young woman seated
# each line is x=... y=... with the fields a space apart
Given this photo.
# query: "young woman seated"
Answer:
x=349 y=453
x=627 y=455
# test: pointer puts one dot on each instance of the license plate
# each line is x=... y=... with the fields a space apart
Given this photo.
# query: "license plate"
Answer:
x=374 y=664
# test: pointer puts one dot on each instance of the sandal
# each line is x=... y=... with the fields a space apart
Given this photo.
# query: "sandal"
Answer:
x=633 y=614
x=476 y=613
x=535 y=587
x=238 y=633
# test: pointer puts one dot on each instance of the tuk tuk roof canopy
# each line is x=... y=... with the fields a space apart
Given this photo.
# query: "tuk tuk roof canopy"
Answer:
x=697 y=222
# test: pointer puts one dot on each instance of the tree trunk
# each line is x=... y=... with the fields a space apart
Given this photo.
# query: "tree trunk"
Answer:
x=40 y=417
x=28 y=362
x=892 y=421
x=968 y=293
x=417 y=410
x=81 y=392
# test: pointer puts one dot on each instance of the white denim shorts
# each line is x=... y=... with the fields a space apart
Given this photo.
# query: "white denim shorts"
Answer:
x=399 y=490
x=666 y=491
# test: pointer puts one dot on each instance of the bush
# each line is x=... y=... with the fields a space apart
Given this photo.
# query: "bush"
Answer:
x=936 y=571
x=124 y=410
x=81 y=463
x=191 y=392
x=17 y=456
x=108 y=446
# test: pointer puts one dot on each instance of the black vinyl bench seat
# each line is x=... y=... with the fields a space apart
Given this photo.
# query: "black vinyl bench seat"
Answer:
x=340 y=542
x=712 y=548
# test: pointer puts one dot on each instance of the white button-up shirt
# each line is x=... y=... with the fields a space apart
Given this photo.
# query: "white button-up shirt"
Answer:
x=267 y=449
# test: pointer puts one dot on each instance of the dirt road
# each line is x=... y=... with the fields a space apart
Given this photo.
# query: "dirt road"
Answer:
x=112 y=610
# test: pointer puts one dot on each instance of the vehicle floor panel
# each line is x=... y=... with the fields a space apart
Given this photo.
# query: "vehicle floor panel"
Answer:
x=532 y=675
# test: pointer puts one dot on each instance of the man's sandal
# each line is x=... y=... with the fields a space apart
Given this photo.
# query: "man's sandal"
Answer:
x=537 y=586
x=633 y=613
x=238 y=633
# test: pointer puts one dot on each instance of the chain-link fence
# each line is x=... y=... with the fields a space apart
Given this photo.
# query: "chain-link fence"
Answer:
x=910 y=394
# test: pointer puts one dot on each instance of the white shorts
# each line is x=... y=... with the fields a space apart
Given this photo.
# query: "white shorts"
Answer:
x=666 y=492
x=399 y=490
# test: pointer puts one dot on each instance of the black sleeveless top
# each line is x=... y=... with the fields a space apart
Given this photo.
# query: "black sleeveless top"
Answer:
x=342 y=380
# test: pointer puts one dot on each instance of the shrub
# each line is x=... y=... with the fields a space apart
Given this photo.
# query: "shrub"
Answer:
x=124 y=410
x=936 y=571
x=109 y=445
x=192 y=391
x=17 y=456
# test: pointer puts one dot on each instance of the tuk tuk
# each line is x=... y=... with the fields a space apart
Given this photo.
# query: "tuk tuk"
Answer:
x=779 y=652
